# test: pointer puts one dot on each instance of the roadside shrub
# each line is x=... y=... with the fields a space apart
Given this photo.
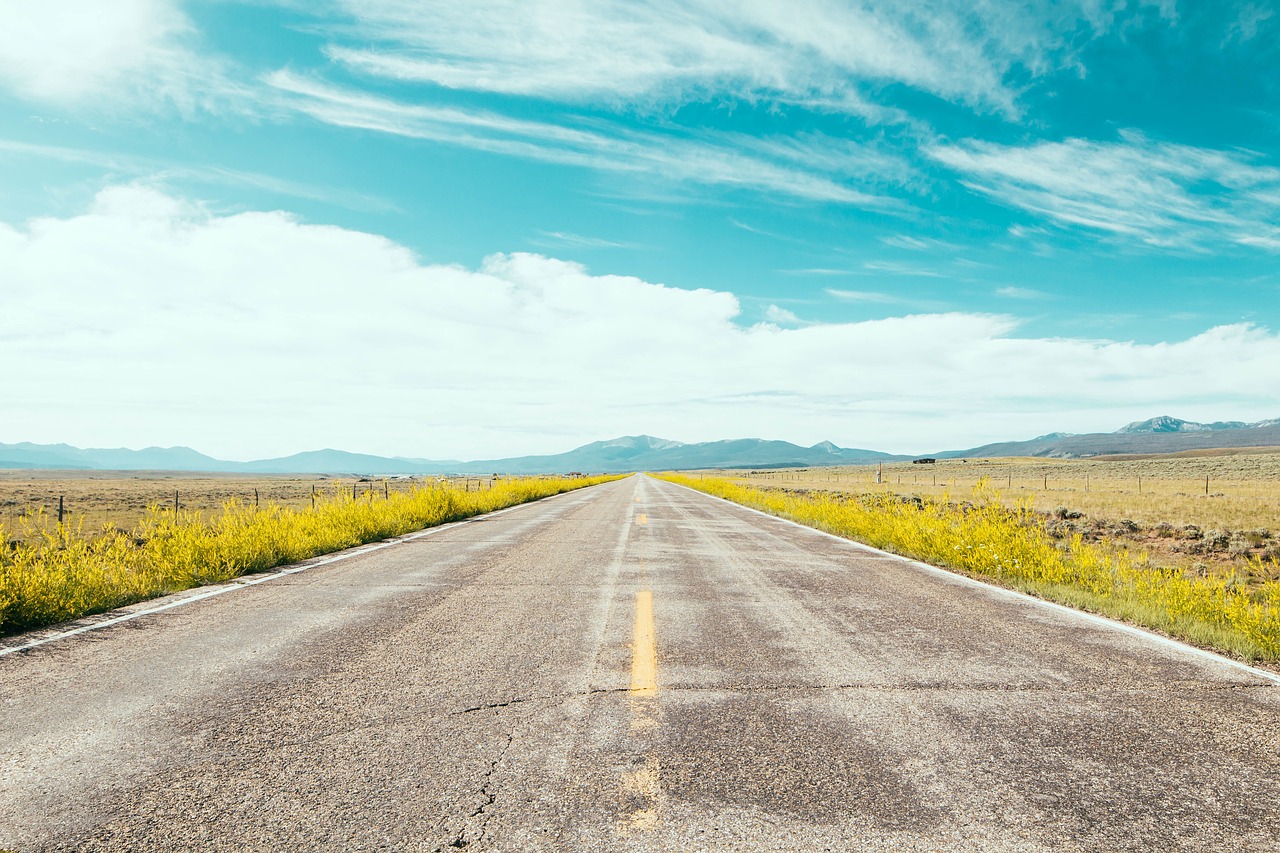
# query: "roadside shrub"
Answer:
x=995 y=542
x=63 y=575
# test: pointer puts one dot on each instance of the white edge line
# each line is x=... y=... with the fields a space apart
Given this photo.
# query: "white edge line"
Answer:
x=274 y=574
x=1114 y=624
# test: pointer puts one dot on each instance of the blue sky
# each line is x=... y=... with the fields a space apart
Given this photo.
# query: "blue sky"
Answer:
x=463 y=230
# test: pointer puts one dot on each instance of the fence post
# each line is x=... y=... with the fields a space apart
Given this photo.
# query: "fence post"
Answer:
x=313 y=495
x=1206 y=488
x=175 y=503
x=255 y=497
x=1206 y=484
x=386 y=490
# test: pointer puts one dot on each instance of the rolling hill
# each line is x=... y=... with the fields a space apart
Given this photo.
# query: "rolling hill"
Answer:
x=1157 y=435
x=1162 y=434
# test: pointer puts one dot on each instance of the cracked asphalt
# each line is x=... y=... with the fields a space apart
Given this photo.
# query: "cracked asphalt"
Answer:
x=476 y=689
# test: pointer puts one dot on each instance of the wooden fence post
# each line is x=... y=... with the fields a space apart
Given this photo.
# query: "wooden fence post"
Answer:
x=1206 y=488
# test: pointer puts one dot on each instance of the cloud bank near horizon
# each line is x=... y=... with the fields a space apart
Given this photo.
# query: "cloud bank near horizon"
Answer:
x=150 y=318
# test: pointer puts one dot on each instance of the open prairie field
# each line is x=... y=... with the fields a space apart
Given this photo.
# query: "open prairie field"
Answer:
x=51 y=572
x=1160 y=505
x=93 y=500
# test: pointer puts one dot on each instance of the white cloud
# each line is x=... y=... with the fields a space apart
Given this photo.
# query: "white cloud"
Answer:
x=825 y=271
x=87 y=51
x=567 y=239
x=896 y=268
x=916 y=244
x=781 y=316
x=255 y=334
x=152 y=168
x=1136 y=189
x=1020 y=293
x=816 y=52
x=813 y=167
x=864 y=296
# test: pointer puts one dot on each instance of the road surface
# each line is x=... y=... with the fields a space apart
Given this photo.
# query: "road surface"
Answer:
x=634 y=666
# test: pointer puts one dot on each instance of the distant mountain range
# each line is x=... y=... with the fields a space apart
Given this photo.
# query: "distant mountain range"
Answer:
x=645 y=453
x=1157 y=435
x=630 y=453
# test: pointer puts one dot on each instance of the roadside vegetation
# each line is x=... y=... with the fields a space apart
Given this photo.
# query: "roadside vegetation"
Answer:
x=51 y=572
x=984 y=536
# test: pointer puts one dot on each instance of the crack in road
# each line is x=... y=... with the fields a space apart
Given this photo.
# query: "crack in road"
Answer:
x=920 y=687
x=487 y=799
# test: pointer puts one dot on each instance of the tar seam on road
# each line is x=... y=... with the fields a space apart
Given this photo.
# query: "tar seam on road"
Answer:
x=1113 y=624
x=644 y=661
x=254 y=580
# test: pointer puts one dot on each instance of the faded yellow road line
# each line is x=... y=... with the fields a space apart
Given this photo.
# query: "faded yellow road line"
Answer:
x=644 y=661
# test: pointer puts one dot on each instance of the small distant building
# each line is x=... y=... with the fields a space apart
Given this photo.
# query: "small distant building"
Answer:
x=927 y=460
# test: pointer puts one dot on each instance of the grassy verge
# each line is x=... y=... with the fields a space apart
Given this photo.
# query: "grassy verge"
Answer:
x=984 y=538
x=58 y=574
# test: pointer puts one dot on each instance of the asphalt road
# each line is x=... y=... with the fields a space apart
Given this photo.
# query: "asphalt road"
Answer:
x=630 y=667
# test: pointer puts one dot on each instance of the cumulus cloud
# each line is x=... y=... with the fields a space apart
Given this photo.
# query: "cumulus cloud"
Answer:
x=150 y=319
x=781 y=316
x=71 y=51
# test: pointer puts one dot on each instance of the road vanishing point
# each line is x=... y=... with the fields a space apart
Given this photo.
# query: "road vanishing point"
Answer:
x=633 y=666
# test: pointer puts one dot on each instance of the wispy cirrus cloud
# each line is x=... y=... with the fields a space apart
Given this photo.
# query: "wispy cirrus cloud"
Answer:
x=896 y=268
x=1136 y=189
x=1021 y=293
x=812 y=52
x=824 y=271
x=157 y=171
x=568 y=239
x=916 y=244
x=812 y=167
x=866 y=296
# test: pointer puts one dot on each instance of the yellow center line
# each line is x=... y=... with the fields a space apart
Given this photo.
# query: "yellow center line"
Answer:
x=644 y=661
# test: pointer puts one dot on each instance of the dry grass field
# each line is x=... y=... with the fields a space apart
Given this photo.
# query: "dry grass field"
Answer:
x=1236 y=610
x=94 y=500
x=53 y=572
x=1159 y=506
